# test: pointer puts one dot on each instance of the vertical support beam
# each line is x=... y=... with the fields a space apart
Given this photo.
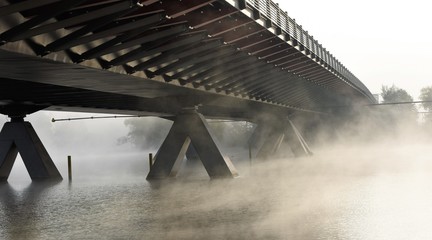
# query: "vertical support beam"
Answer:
x=190 y=127
x=19 y=136
x=274 y=131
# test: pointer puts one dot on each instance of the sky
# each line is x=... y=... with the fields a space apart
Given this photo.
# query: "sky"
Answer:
x=382 y=42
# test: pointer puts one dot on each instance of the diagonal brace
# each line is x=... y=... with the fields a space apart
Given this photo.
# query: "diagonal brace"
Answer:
x=21 y=137
x=190 y=128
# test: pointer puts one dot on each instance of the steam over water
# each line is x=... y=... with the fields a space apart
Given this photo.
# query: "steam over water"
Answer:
x=377 y=191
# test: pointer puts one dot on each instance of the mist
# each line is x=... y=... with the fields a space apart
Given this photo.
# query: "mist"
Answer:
x=368 y=179
x=117 y=147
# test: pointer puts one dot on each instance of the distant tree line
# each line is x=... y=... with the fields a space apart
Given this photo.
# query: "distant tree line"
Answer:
x=426 y=95
x=367 y=123
x=396 y=116
x=394 y=94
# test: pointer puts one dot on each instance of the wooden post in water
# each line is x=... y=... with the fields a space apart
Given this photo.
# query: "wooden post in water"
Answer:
x=70 y=168
x=250 y=155
x=150 y=160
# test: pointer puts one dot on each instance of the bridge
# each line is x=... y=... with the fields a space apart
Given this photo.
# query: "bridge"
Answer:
x=181 y=60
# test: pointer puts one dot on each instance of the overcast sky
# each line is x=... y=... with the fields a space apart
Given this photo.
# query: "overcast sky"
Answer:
x=382 y=42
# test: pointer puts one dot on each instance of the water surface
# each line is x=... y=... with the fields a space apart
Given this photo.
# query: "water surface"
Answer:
x=351 y=193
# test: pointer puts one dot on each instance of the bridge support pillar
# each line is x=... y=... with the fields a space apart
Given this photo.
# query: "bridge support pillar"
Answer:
x=20 y=136
x=271 y=134
x=190 y=127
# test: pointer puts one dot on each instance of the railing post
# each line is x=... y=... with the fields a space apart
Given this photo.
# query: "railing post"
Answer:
x=332 y=61
x=321 y=52
x=268 y=9
x=301 y=34
x=326 y=58
x=278 y=12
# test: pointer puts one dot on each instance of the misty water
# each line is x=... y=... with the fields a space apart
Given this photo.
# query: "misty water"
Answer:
x=350 y=190
x=358 y=192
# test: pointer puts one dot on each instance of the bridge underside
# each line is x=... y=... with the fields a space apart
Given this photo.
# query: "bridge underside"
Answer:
x=69 y=87
x=229 y=58
x=153 y=49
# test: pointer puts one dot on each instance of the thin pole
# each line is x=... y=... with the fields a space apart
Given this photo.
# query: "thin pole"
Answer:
x=70 y=168
x=398 y=103
x=382 y=104
x=91 y=118
x=250 y=155
x=150 y=160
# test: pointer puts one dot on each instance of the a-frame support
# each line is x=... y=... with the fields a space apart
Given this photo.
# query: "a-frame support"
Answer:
x=190 y=127
x=271 y=134
x=19 y=136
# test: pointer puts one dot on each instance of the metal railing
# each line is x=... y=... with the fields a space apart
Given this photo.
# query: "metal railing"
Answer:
x=280 y=18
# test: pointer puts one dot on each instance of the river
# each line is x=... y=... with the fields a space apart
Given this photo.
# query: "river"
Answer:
x=379 y=192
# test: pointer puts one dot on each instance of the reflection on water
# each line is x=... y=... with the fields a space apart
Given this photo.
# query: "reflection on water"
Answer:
x=384 y=194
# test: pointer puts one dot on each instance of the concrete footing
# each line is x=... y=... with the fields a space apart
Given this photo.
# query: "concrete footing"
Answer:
x=190 y=127
x=19 y=136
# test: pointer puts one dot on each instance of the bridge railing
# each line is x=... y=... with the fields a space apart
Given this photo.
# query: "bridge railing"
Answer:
x=280 y=18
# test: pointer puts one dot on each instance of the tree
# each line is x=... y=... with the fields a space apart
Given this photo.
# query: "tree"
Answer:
x=426 y=95
x=232 y=133
x=146 y=133
x=399 y=116
x=394 y=94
